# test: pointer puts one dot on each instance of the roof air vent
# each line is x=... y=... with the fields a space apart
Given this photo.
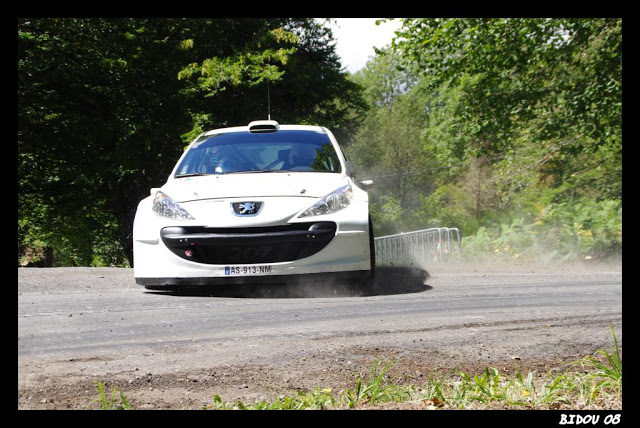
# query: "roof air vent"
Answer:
x=261 y=126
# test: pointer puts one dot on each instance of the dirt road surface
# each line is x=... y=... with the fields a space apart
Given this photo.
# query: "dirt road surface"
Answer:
x=175 y=350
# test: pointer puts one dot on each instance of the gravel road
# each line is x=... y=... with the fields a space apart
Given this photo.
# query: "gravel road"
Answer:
x=175 y=350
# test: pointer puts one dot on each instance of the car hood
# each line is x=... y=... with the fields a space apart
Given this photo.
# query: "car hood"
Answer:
x=305 y=184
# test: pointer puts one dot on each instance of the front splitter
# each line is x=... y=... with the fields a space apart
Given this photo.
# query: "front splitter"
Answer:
x=171 y=283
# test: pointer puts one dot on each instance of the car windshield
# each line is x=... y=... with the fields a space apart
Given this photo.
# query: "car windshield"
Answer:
x=237 y=152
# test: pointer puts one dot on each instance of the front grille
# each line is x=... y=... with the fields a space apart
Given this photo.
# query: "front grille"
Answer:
x=227 y=246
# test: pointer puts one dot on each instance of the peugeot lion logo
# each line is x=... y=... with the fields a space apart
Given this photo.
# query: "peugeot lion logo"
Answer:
x=246 y=208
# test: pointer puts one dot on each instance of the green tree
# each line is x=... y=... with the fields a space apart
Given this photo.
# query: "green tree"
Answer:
x=511 y=118
x=548 y=89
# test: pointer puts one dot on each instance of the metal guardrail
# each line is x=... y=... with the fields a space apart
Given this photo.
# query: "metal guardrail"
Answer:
x=419 y=248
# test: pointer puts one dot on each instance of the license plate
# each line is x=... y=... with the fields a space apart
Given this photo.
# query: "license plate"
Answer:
x=247 y=270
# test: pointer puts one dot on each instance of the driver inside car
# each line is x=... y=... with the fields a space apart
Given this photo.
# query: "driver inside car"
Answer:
x=220 y=161
x=301 y=155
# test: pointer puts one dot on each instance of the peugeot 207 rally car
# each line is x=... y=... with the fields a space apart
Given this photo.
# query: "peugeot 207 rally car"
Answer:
x=258 y=203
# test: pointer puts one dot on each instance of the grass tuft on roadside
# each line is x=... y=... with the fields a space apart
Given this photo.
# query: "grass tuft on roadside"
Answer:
x=112 y=403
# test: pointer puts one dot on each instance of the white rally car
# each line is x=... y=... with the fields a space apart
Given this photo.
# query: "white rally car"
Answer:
x=258 y=203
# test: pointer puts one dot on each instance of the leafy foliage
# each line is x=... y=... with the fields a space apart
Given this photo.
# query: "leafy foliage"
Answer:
x=552 y=71
x=515 y=122
x=582 y=230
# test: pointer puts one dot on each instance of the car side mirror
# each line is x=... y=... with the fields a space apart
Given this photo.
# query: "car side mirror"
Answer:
x=366 y=184
x=153 y=190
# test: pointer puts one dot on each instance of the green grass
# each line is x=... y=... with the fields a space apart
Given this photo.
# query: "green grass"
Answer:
x=378 y=388
x=112 y=403
x=604 y=374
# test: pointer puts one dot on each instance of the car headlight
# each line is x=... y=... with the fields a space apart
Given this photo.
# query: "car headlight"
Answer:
x=333 y=202
x=164 y=206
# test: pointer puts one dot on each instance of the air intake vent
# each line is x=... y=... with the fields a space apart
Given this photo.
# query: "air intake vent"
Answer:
x=248 y=245
x=261 y=126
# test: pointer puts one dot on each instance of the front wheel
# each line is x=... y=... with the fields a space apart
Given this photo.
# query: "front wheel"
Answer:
x=372 y=253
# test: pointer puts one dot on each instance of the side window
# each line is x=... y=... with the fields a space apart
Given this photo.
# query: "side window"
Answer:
x=193 y=162
x=326 y=159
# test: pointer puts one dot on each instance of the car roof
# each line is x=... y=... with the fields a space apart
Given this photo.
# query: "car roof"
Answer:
x=313 y=128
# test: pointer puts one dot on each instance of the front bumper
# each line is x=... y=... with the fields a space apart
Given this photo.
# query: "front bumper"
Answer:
x=168 y=254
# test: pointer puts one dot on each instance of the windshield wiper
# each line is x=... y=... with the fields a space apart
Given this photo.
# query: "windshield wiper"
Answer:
x=259 y=171
x=249 y=171
x=192 y=174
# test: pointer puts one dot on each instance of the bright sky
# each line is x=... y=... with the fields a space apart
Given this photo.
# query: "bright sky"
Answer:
x=356 y=37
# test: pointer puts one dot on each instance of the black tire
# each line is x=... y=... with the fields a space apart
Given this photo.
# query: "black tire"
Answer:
x=372 y=252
